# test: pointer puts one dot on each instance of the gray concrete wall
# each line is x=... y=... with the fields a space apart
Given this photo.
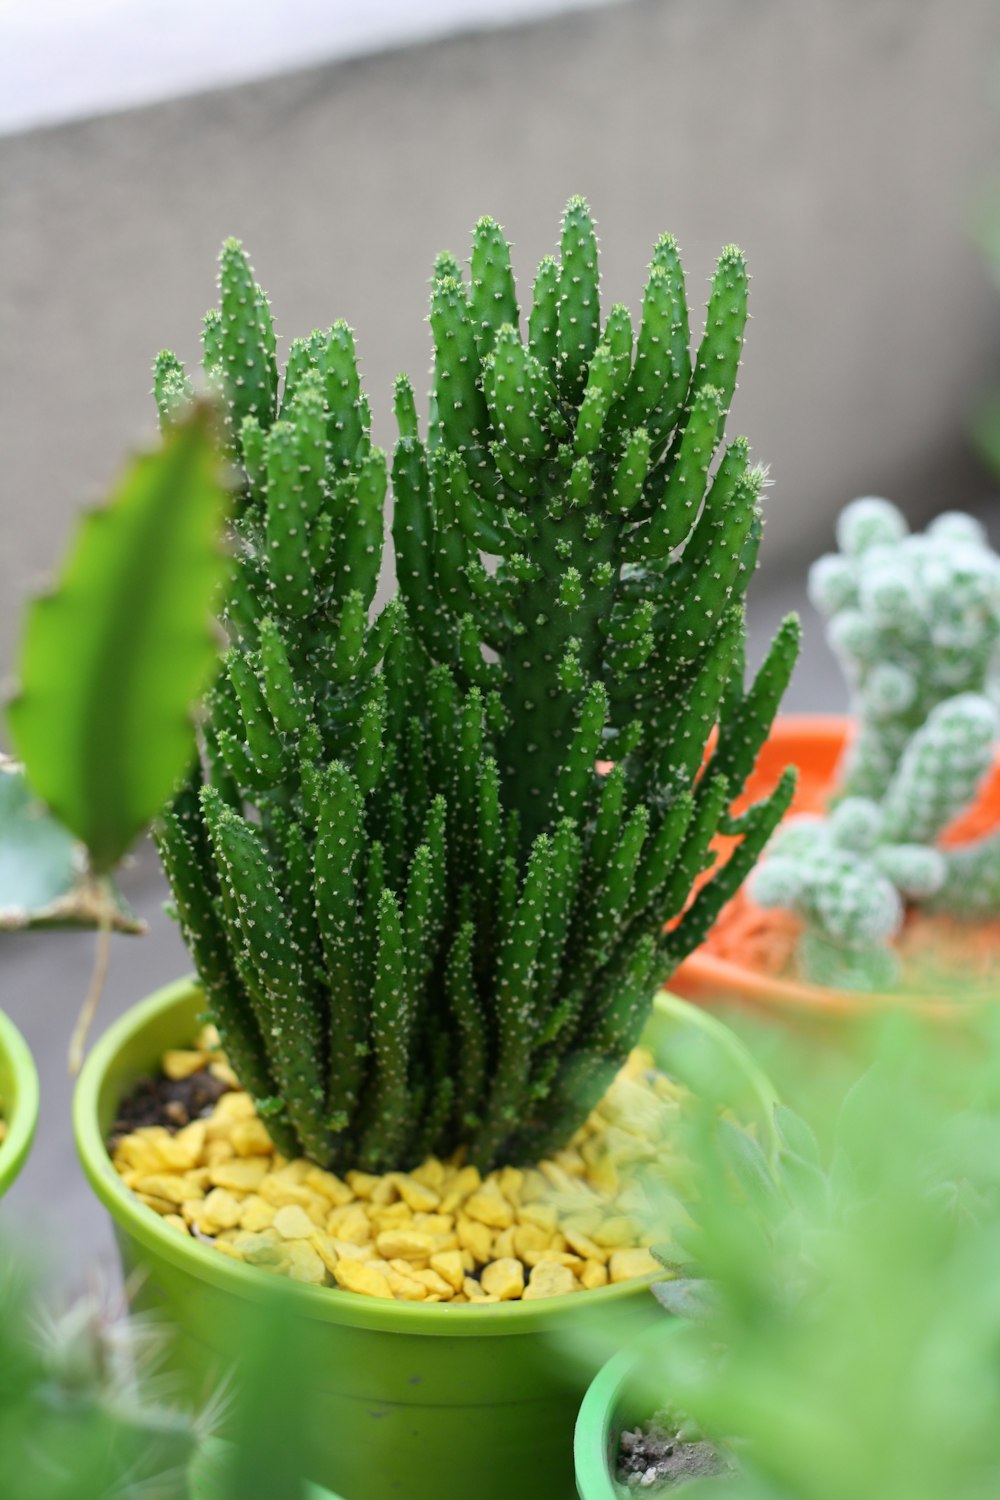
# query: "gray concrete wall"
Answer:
x=842 y=142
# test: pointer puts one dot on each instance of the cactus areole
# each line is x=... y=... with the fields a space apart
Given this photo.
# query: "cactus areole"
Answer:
x=425 y=913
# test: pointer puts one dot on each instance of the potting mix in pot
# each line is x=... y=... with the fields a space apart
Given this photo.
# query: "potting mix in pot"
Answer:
x=896 y=883
x=434 y=859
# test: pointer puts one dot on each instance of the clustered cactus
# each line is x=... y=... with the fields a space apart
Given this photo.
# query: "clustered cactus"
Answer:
x=915 y=621
x=434 y=860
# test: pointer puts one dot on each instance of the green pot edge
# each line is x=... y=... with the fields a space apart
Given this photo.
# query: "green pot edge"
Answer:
x=19 y=1089
x=324 y=1303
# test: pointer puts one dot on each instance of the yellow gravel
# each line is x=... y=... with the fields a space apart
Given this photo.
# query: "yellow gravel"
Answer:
x=440 y=1233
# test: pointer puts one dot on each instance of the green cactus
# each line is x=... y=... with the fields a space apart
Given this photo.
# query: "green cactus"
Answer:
x=425 y=912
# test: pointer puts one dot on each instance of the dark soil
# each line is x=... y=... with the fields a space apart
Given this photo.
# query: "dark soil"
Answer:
x=652 y=1457
x=168 y=1101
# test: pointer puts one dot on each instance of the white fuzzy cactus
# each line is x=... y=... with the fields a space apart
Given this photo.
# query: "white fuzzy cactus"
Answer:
x=915 y=622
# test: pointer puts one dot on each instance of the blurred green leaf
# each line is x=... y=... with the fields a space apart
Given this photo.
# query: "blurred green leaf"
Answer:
x=115 y=655
x=43 y=876
x=796 y=1135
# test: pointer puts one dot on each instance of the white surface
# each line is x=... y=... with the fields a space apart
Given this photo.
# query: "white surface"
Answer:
x=62 y=59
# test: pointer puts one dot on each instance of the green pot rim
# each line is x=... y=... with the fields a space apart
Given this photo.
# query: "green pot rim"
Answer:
x=599 y=1408
x=328 y=1304
x=22 y=1117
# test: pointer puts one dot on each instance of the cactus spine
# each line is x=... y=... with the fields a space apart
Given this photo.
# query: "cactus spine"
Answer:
x=425 y=912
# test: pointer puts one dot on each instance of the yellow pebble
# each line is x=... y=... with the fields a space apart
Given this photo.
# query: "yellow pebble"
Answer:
x=239 y=1174
x=228 y=1249
x=571 y=1162
x=464 y=1183
x=224 y=1073
x=436 y=1285
x=557 y=1177
x=250 y=1138
x=448 y=1263
x=436 y=1224
x=220 y=1210
x=404 y=1244
x=302 y=1263
x=290 y=1171
x=293 y=1223
x=162 y=1185
x=348 y=1250
x=503 y=1244
x=257 y=1213
x=541 y=1215
x=329 y=1185
x=324 y=1249
x=594 y=1274
x=553 y=1258
x=503 y=1278
x=416 y=1195
x=617 y=1231
x=624 y=1264
x=217 y=1148
x=179 y=1064
x=475 y=1292
x=431 y=1173
x=176 y=1222
x=534 y=1186
x=549 y=1280
x=281 y=1190
x=235 y=1105
x=529 y=1237
x=475 y=1238
x=510 y=1182
x=391 y=1215
x=259 y=1249
x=353 y=1276
x=490 y=1207
x=362 y=1184
x=583 y=1245
x=350 y=1223
x=158 y=1205
x=405 y=1287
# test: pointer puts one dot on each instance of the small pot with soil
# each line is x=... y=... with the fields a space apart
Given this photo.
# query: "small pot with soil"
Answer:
x=884 y=883
x=626 y=1442
x=18 y=1101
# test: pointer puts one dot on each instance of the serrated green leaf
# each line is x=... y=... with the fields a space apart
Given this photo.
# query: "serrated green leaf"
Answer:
x=114 y=656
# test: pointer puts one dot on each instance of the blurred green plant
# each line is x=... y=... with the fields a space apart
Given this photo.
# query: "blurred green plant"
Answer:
x=847 y=1332
x=112 y=660
x=88 y=1407
x=84 y=1411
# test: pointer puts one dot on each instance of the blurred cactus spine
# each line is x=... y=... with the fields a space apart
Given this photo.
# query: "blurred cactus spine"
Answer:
x=915 y=621
x=423 y=916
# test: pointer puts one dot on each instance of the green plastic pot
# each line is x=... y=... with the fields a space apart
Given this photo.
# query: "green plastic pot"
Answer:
x=207 y=1475
x=426 y=1402
x=625 y=1391
x=18 y=1100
